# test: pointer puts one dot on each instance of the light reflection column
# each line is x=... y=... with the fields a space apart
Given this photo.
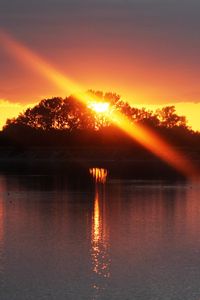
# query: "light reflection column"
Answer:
x=99 y=235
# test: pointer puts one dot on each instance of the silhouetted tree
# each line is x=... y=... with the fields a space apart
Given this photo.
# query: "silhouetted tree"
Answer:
x=168 y=117
x=56 y=113
x=70 y=115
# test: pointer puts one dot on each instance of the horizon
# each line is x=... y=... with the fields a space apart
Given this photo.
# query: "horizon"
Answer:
x=146 y=51
x=99 y=149
x=189 y=110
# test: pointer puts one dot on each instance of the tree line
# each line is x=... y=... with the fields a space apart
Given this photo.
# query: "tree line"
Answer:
x=67 y=121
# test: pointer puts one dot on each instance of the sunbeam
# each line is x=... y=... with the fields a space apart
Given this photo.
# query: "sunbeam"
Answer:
x=146 y=137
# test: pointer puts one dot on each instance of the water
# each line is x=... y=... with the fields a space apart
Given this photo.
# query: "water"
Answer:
x=107 y=239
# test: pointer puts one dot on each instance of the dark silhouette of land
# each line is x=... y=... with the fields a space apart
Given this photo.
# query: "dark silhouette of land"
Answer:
x=65 y=130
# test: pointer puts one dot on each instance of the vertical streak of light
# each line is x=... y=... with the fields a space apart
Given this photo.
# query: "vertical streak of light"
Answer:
x=99 y=238
x=99 y=174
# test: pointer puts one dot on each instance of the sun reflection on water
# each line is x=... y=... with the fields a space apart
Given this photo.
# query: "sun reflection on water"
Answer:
x=99 y=234
x=99 y=174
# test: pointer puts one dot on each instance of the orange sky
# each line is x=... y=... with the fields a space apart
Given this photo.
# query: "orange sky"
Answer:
x=142 y=86
x=147 y=51
x=191 y=110
x=139 y=81
x=23 y=87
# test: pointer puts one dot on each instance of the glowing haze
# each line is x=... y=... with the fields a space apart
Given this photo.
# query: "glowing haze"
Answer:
x=146 y=137
x=145 y=50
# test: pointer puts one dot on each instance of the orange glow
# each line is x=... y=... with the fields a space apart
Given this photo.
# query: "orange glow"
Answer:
x=100 y=240
x=142 y=135
x=32 y=60
x=96 y=227
x=10 y=110
x=99 y=175
x=153 y=142
x=99 y=107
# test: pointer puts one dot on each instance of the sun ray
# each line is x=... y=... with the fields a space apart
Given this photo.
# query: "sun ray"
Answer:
x=29 y=58
x=146 y=137
x=155 y=144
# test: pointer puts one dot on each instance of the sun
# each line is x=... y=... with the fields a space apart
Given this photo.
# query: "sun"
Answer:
x=99 y=107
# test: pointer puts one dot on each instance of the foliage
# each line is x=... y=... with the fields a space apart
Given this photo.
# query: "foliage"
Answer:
x=55 y=113
x=57 y=120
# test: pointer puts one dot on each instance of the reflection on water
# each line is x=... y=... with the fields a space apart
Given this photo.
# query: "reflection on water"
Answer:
x=99 y=174
x=100 y=234
x=121 y=240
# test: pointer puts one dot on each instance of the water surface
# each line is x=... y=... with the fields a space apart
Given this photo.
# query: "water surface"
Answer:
x=104 y=239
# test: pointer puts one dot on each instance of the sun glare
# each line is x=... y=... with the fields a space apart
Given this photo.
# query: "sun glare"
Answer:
x=99 y=107
x=144 y=136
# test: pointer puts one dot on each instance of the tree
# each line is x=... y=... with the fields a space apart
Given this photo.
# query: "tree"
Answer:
x=169 y=119
x=69 y=114
x=55 y=113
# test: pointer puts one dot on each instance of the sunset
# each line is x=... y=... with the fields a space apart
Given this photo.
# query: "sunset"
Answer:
x=99 y=107
x=146 y=51
x=99 y=150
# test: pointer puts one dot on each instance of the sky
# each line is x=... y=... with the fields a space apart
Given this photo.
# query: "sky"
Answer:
x=145 y=50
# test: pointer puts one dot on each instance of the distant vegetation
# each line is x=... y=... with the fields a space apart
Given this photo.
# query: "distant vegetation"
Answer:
x=70 y=114
x=67 y=122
